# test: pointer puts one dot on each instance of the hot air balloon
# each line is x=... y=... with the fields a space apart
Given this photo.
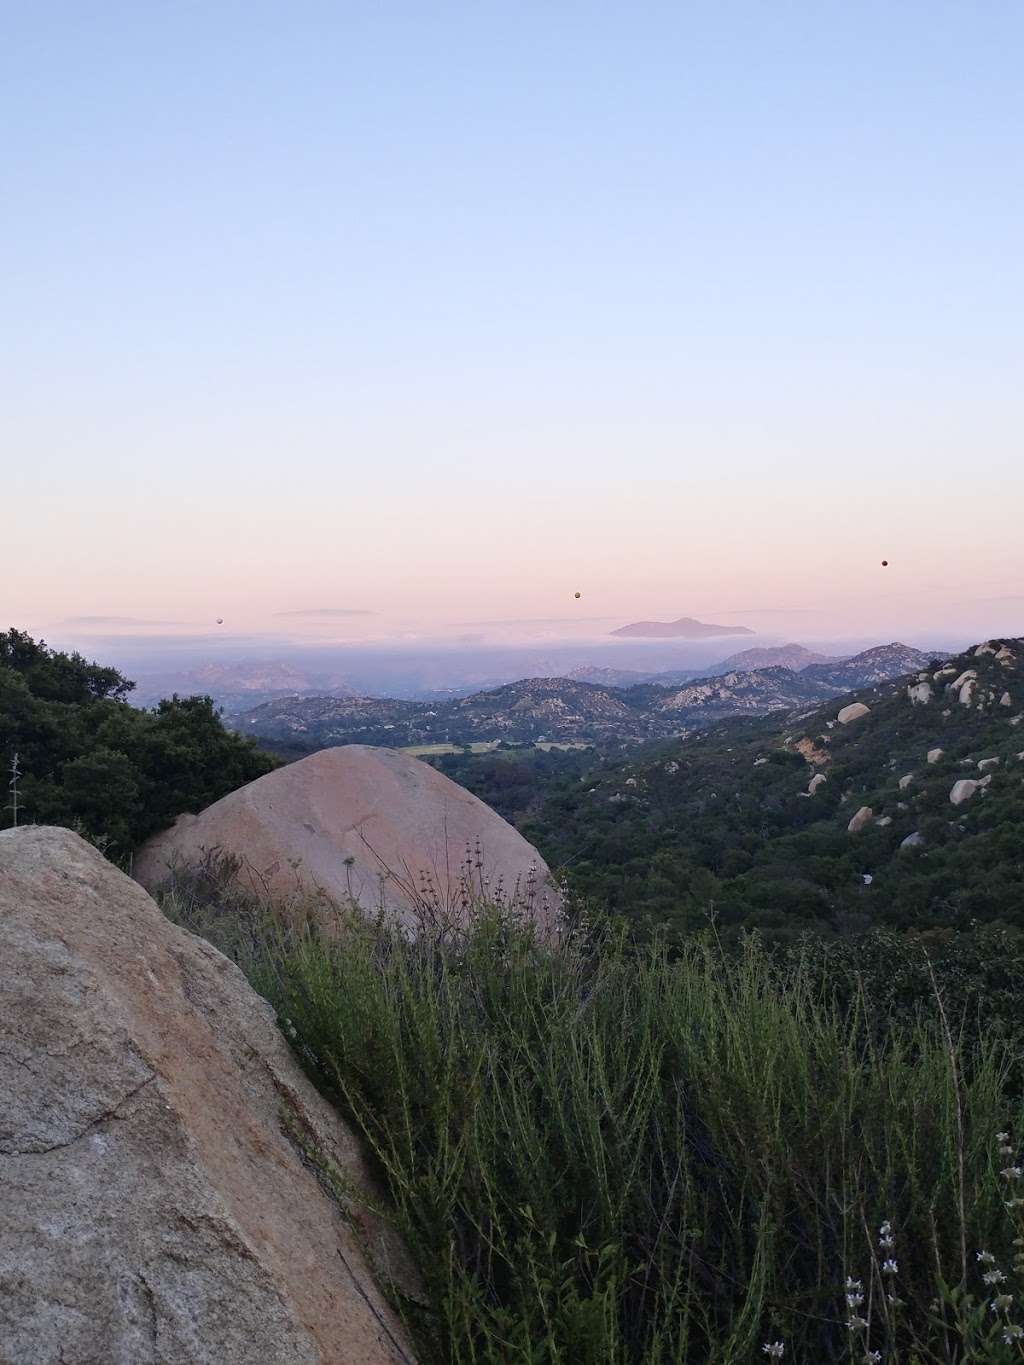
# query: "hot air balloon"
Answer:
x=885 y=563
x=577 y=595
x=220 y=620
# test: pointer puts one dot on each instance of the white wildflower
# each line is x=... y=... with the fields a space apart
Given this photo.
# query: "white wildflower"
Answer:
x=1002 y=1137
x=857 y=1323
x=986 y=1258
x=890 y=1267
x=855 y=1299
x=1013 y=1333
x=994 y=1277
x=1012 y=1172
x=1002 y=1303
x=775 y=1349
x=872 y=1357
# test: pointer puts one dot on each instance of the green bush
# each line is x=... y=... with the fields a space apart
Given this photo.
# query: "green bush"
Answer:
x=602 y=1153
x=89 y=760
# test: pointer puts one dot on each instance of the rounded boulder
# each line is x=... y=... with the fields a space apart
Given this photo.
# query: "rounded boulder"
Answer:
x=364 y=824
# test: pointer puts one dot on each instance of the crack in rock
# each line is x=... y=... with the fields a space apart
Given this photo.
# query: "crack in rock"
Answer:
x=112 y=1113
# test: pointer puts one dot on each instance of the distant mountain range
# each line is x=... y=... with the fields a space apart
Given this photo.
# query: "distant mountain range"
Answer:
x=791 y=656
x=240 y=687
x=887 y=661
x=561 y=710
x=685 y=628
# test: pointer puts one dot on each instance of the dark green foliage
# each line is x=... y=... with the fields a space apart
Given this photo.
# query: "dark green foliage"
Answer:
x=91 y=761
x=53 y=676
x=513 y=779
x=720 y=824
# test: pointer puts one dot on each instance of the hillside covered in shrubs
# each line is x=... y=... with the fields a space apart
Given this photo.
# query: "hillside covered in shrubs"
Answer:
x=801 y=821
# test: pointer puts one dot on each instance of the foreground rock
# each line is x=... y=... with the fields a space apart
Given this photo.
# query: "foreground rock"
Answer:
x=356 y=821
x=156 y=1208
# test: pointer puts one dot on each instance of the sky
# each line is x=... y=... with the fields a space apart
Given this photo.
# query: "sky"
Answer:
x=398 y=321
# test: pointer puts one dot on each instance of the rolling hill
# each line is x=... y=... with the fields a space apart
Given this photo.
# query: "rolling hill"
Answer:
x=553 y=710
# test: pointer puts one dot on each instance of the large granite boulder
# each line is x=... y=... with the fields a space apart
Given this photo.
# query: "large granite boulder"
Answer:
x=359 y=822
x=159 y=1198
x=861 y=820
x=855 y=711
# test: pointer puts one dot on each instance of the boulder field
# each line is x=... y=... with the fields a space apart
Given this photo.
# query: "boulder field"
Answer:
x=357 y=822
x=159 y=1146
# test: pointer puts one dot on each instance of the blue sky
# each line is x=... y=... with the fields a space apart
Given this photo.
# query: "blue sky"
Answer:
x=445 y=310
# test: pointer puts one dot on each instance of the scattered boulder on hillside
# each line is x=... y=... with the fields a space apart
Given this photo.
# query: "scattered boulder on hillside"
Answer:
x=934 y=755
x=862 y=818
x=1006 y=699
x=985 y=763
x=853 y=712
x=964 y=686
x=818 y=780
x=987 y=648
x=920 y=693
x=159 y=1146
x=915 y=840
x=905 y=781
x=357 y=822
x=964 y=789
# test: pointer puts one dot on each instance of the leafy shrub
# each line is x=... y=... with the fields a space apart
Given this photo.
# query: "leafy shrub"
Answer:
x=89 y=760
x=606 y=1153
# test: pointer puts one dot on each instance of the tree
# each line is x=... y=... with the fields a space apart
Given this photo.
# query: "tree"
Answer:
x=90 y=761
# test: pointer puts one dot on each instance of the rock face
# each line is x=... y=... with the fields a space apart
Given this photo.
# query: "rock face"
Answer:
x=860 y=820
x=156 y=1206
x=853 y=712
x=357 y=821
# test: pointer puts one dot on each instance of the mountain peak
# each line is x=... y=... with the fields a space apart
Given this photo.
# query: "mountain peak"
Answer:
x=685 y=628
